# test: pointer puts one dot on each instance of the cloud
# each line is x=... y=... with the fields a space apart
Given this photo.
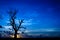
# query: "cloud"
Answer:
x=7 y=27
x=27 y=22
x=7 y=21
x=41 y=30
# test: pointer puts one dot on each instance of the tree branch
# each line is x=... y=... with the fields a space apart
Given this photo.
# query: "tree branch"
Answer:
x=20 y=22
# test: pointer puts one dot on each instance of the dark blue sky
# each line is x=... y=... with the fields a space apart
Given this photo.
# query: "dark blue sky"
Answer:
x=39 y=13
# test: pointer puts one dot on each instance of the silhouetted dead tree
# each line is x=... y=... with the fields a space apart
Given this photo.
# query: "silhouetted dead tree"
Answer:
x=12 y=15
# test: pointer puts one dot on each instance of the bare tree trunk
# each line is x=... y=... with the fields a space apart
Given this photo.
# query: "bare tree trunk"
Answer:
x=15 y=36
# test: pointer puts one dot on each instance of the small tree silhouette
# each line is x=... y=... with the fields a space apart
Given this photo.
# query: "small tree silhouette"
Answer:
x=1 y=26
x=12 y=15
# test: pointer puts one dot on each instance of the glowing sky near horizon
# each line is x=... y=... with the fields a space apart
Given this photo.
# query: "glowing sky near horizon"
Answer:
x=37 y=13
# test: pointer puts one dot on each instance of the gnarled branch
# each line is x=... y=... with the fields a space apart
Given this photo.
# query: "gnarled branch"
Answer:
x=20 y=23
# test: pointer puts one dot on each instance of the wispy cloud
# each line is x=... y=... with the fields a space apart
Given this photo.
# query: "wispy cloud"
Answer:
x=28 y=22
x=42 y=30
x=7 y=27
